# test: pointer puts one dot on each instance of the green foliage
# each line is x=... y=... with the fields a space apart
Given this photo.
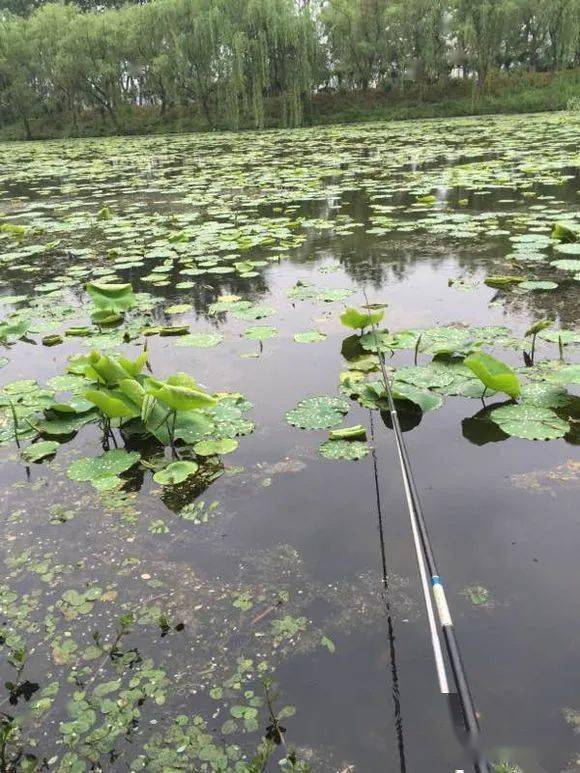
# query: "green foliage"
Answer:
x=257 y=61
x=112 y=297
x=174 y=473
x=359 y=320
x=321 y=412
x=493 y=373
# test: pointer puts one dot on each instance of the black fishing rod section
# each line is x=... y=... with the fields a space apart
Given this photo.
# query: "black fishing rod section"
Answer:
x=434 y=590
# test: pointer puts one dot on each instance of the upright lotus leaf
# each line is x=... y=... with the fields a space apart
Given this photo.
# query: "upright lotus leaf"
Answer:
x=493 y=373
x=104 y=213
x=134 y=367
x=565 y=232
x=359 y=320
x=183 y=380
x=115 y=297
x=105 y=369
x=538 y=326
x=133 y=390
x=190 y=426
x=179 y=397
x=112 y=404
x=176 y=472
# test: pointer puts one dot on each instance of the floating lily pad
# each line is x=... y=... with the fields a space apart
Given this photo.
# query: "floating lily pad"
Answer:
x=545 y=395
x=175 y=472
x=570 y=374
x=426 y=400
x=350 y=450
x=320 y=412
x=260 y=333
x=214 y=447
x=309 y=337
x=100 y=470
x=533 y=285
x=38 y=451
x=200 y=340
x=529 y=421
x=566 y=265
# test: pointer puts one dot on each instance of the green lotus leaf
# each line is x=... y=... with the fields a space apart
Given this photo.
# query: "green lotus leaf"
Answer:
x=130 y=388
x=74 y=405
x=111 y=463
x=359 y=320
x=309 y=337
x=320 y=412
x=112 y=404
x=200 y=340
x=538 y=326
x=105 y=369
x=116 y=297
x=38 y=451
x=63 y=425
x=566 y=265
x=503 y=281
x=544 y=394
x=538 y=285
x=426 y=377
x=179 y=398
x=13 y=329
x=106 y=317
x=175 y=472
x=568 y=249
x=493 y=373
x=529 y=421
x=260 y=332
x=570 y=374
x=215 y=447
x=565 y=232
x=357 y=432
x=350 y=450
x=426 y=400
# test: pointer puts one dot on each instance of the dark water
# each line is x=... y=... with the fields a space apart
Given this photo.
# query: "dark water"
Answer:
x=296 y=521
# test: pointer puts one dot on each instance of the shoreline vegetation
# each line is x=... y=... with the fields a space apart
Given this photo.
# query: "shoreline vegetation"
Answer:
x=525 y=93
x=99 y=67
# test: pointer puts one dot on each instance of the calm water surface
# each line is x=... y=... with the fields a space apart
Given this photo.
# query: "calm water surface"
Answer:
x=294 y=522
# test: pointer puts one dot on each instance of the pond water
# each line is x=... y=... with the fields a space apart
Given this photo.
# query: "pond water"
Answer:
x=149 y=627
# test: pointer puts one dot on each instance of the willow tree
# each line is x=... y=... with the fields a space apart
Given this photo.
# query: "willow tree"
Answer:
x=481 y=27
x=277 y=55
x=150 y=53
x=358 y=41
x=420 y=31
x=196 y=30
x=19 y=99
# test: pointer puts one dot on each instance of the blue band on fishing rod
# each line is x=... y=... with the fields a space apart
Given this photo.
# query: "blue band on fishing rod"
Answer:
x=436 y=580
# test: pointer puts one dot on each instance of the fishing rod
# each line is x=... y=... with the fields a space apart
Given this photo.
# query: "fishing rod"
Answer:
x=396 y=695
x=433 y=590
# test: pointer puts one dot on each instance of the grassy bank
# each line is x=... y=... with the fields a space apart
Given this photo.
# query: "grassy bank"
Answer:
x=523 y=93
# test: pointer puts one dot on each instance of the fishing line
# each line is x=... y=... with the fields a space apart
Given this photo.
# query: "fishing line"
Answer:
x=434 y=590
x=386 y=598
